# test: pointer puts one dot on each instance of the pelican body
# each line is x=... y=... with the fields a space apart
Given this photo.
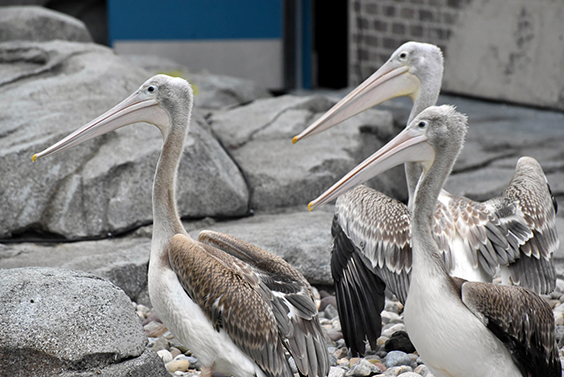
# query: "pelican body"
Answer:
x=237 y=307
x=372 y=250
x=460 y=328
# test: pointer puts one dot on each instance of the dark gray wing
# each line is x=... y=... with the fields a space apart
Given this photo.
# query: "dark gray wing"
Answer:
x=522 y=320
x=370 y=251
x=290 y=297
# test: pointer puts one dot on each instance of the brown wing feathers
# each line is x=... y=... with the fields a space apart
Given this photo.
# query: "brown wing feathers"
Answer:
x=233 y=300
x=522 y=320
x=290 y=298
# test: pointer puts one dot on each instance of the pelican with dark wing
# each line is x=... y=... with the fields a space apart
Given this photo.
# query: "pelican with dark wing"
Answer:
x=460 y=328
x=238 y=308
x=372 y=232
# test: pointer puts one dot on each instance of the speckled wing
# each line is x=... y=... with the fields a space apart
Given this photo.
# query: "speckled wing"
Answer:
x=483 y=237
x=379 y=227
x=370 y=251
x=233 y=298
x=290 y=297
x=527 y=210
x=522 y=320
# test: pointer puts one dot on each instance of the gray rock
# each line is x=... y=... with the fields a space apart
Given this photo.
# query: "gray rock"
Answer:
x=363 y=368
x=479 y=185
x=336 y=372
x=269 y=117
x=397 y=358
x=397 y=371
x=560 y=336
x=33 y=23
x=330 y=312
x=211 y=91
x=104 y=185
x=215 y=91
x=58 y=321
x=300 y=237
x=281 y=174
x=122 y=261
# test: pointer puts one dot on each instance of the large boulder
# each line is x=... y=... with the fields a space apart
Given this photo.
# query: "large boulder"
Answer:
x=210 y=91
x=123 y=261
x=63 y=322
x=281 y=174
x=103 y=186
x=33 y=23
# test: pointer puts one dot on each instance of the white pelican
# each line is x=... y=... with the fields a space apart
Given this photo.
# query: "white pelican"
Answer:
x=460 y=328
x=371 y=232
x=238 y=308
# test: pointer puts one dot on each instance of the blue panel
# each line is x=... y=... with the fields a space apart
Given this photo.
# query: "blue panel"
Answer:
x=194 y=19
x=307 y=48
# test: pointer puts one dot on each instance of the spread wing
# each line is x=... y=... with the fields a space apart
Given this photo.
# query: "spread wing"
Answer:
x=522 y=320
x=484 y=239
x=527 y=210
x=290 y=298
x=372 y=251
x=233 y=298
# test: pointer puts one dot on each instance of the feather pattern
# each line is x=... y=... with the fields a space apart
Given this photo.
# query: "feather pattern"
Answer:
x=515 y=231
x=235 y=295
x=522 y=320
x=287 y=294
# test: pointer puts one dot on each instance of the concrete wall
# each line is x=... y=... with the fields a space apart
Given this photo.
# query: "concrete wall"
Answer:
x=511 y=50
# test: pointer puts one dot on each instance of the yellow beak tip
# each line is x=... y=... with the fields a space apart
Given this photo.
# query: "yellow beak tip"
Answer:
x=310 y=207
x=34 y=157
x=295 y=140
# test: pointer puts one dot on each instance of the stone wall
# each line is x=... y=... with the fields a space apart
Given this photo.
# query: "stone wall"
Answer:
x=509 y=50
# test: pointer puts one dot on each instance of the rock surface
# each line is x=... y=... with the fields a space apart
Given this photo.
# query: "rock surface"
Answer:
x=57 y=321
x=33 y=23
x=210 y=91
x=281 y=174
x=103 y=185
x=122 y=261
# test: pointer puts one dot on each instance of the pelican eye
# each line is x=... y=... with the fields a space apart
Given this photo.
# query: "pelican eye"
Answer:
x=402 y=56
x=152 y=89
x=422 y=124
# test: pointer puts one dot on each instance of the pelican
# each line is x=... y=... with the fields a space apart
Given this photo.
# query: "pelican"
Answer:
x=460 y=328
x=371 y=232
x=237 y=307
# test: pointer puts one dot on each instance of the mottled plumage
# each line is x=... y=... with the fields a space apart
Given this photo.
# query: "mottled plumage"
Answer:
x=521 y=320
x=459 y=328
x=236 y=307
x=515 y=232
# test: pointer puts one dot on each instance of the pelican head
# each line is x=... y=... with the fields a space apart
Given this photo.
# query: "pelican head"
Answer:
x=436 y=130
x=159 y=101
x=414 y=70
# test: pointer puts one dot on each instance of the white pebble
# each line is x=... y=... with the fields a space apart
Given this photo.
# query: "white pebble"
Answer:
x=165 y=355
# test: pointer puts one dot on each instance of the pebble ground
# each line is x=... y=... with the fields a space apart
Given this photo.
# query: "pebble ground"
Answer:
x=399 y=360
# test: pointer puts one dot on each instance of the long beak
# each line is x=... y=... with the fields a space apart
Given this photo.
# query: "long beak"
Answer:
x=133 y=109
x=386 y=83
x=408 y=146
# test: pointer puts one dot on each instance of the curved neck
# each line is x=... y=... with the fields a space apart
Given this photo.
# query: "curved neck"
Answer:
x=426 y=256
x=428 y=97
x=166 y=220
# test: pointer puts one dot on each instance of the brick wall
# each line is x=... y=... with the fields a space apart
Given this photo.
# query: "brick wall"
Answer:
x=379 y=27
